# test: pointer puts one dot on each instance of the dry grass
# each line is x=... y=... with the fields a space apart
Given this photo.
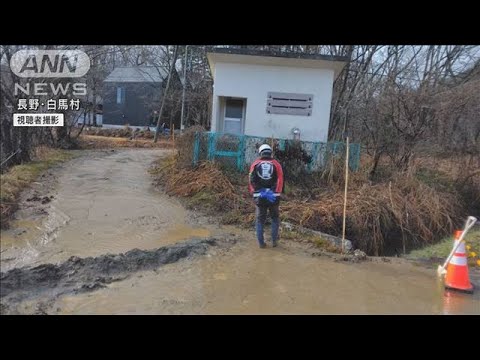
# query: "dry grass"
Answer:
x=405 y=209
x=460 y=173
x=206 y=185
x=125 y=132
x=20 y=176
x=103 y=142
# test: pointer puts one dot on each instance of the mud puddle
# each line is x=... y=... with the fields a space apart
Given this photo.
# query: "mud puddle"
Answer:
x=284 y=280
x=103 y=202
x=77 y=275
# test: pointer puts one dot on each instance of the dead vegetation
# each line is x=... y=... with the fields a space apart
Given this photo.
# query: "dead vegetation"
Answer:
x=20 y=176
x=389 y=215
x=205 y=186
x=104 y=142
x=406 y=210
x=125 y=132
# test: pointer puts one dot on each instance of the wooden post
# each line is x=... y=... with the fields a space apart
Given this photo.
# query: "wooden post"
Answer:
x=345 y=197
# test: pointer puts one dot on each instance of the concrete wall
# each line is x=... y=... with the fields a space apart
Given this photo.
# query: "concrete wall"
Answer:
x=253 y=82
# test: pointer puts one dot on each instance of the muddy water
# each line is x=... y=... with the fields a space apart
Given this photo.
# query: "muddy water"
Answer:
x=104 y=203
x=248 y=280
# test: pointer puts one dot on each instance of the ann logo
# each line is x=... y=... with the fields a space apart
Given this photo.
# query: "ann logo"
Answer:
x=57 y=64
x=50 y=63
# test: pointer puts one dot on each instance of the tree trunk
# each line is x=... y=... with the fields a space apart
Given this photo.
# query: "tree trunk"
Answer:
x=24 y=145
x=94 y=106
x=7 y=145
x=155 y=139
x=376 y=160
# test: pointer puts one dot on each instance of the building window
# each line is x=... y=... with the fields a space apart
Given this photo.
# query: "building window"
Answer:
x=120 y=95
x=289 y=104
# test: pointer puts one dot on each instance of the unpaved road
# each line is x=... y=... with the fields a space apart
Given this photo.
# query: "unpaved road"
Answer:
x=103 y=205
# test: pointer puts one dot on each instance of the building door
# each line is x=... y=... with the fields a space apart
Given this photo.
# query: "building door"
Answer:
x=233 y=119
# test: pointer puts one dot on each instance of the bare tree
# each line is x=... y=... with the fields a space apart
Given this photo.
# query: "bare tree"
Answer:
x=172 y=66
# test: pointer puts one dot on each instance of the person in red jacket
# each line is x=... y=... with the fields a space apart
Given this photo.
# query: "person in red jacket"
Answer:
x=266 y=185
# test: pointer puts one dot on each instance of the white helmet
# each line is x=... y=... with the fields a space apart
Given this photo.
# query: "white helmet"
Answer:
x=265 y=148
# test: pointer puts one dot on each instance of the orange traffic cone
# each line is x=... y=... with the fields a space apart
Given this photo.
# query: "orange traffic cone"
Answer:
x=457 y=271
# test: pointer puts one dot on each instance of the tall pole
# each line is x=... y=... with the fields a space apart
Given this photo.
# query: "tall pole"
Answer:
x=345 y=197
x=182 y=124
x=165 y=94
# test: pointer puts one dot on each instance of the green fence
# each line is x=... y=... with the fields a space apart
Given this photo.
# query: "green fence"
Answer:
x=241 y=150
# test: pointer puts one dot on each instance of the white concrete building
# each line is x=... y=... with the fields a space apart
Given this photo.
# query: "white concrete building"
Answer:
x=265 y=94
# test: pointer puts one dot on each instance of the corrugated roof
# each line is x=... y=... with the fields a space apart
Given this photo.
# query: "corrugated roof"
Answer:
x=137 y=74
